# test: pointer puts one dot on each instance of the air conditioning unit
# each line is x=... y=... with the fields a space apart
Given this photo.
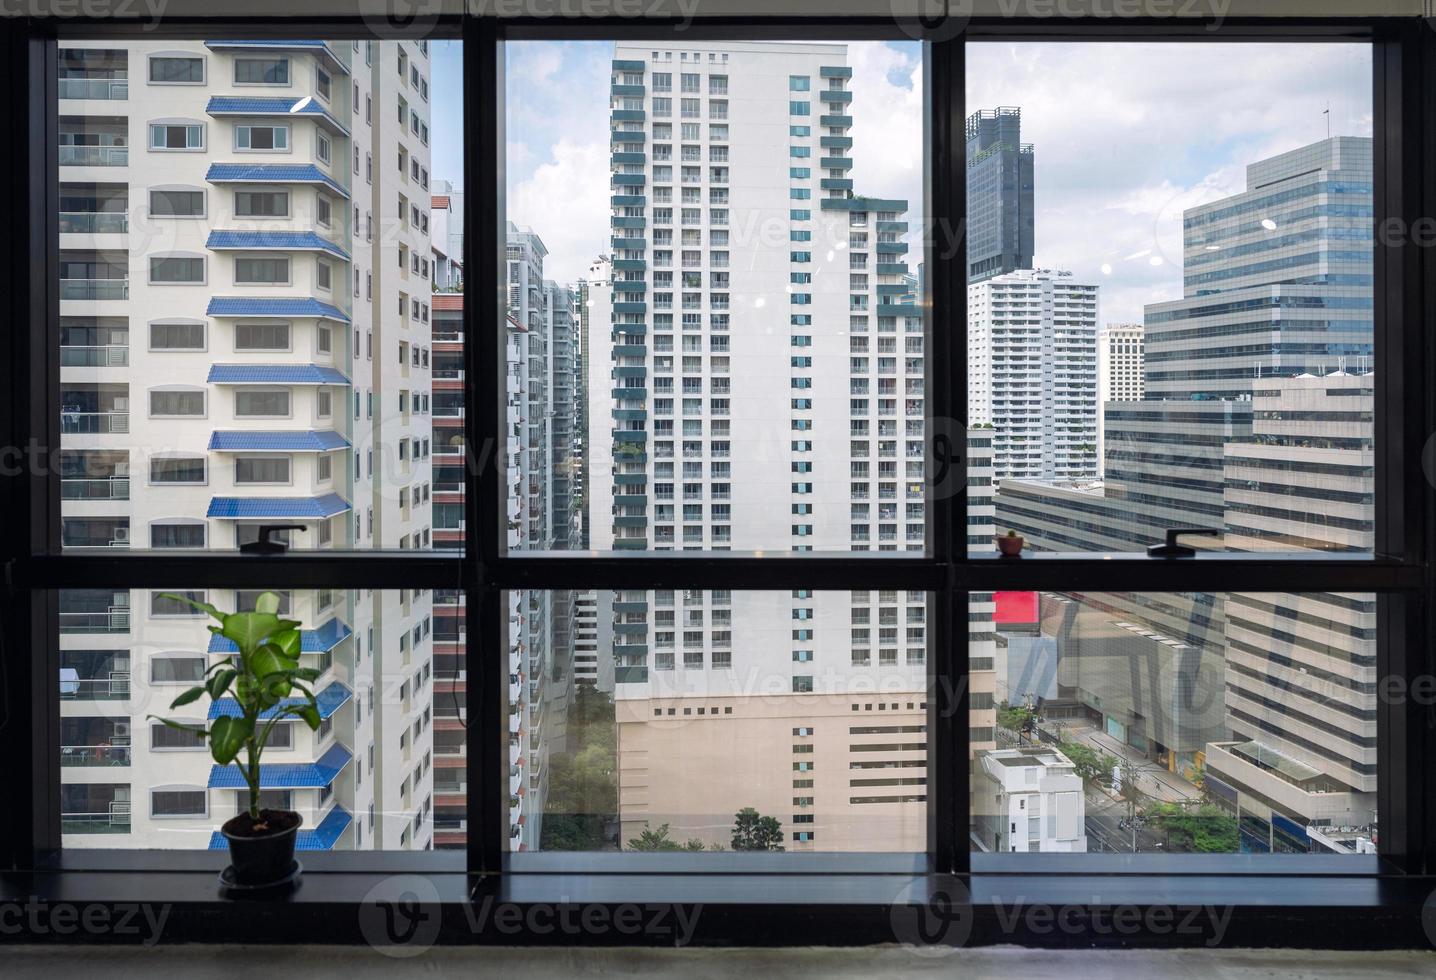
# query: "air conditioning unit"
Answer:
x=122 y=536
x=122 y=729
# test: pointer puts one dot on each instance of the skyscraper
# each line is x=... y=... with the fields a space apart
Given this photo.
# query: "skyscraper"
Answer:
x=1000 y=206
x=1246 y=426
x=1032 y=356
x=758 y=394
x=245 y=321
x=1120 y=356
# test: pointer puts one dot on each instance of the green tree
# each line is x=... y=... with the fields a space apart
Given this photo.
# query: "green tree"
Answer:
x=1201 y=828
x=1014 y=719
x=1090 y=764
x=658 y=840
x=583 y=784
x=754 y=832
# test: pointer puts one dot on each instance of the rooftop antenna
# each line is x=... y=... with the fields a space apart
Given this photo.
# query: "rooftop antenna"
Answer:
x=1327 y=113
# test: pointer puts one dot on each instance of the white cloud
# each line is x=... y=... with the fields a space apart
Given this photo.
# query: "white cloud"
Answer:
x=565 y=200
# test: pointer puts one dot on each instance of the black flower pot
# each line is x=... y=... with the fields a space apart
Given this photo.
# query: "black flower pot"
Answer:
x=261 y=854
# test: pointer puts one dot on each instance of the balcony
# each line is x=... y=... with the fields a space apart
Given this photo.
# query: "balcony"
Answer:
x=94 y=289
x=94 y=156
x=98 y=488
x=116 y=687
x=94 y=423
x=109 y=822
x=94 y=755
x=94 y=222
x=110 y=89
x=109 y=355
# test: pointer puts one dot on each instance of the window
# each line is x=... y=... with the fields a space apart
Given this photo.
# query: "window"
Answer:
x=1247 y=721
x=173 y=70
x=262 y=469
x=261 y=71
x=176 y=203
x=261 y=204
x=177 y=802
x=177 y=136
x=262 y=403
x=251 y=336
x=177 y=335
x=176 y=403
x=261 y=270
x=261 y=137
x=177 y=469
x=176 y=535
x=177 y=269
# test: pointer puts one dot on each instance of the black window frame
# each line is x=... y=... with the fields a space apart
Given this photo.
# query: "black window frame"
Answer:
x=764 y=898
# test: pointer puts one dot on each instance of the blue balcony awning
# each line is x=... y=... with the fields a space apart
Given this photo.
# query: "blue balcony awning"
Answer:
x=274 y=374
x=321 y=640
x=321 y=838
x=305 y=306
x=286 y=775
x=272 y=173
x=330 y=700
x=296 y=508
x=304 y=441
x=245 y=105
x=320 y=49
x=285 y=241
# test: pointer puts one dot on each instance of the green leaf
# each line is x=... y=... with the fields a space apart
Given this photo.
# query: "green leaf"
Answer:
x=310 y=714
x=181 y=726
x=188 y=697
x=227 y=736
x=220 y=682
x=274 y=688
x=307 y=673
x=288 y=641
x=250 y=630
x=268 y=602
x=201 y=606
x=267 y=660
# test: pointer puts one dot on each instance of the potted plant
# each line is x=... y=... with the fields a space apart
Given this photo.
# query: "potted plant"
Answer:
x=1010 y=544
x=268 y=685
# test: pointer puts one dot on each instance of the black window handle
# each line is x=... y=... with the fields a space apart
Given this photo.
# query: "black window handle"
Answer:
x=263 y=546
x=1174 y=550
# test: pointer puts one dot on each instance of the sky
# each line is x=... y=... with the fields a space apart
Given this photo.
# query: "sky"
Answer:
x=1126 y=137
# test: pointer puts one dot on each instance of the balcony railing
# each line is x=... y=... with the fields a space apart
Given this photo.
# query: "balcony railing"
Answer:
x=94 y=755
x=115 y=688
x=114 y=620
x=94 y=222
x=115 y=822
x=111 y=355
x=94 y=289
x=100 y=488
x=94 y=156
x=94 y=88
x=94 y=422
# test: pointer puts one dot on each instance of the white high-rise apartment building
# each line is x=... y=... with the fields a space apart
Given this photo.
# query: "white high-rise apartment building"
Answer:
x=245 y=313
x=761 y=388
x=1120 y=360
x=1032 y=373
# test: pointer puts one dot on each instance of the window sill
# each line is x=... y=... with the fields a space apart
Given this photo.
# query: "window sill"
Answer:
x=436 y=906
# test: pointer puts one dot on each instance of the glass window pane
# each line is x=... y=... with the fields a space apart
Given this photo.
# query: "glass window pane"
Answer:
x=1178 y=723
x=370 y=777
x=220 y=307
x=1170 y=296
x=718 y=720
x=748 y=370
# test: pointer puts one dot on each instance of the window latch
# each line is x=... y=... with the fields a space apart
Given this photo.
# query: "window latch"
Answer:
x=1174 y=550
x=263 y=546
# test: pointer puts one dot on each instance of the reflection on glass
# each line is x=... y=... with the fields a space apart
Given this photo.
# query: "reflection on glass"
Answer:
x=380 y=772
x=742 y=356
x=250 y=241
x=1181 y=723
x=718 y=721
x=1170 y=303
